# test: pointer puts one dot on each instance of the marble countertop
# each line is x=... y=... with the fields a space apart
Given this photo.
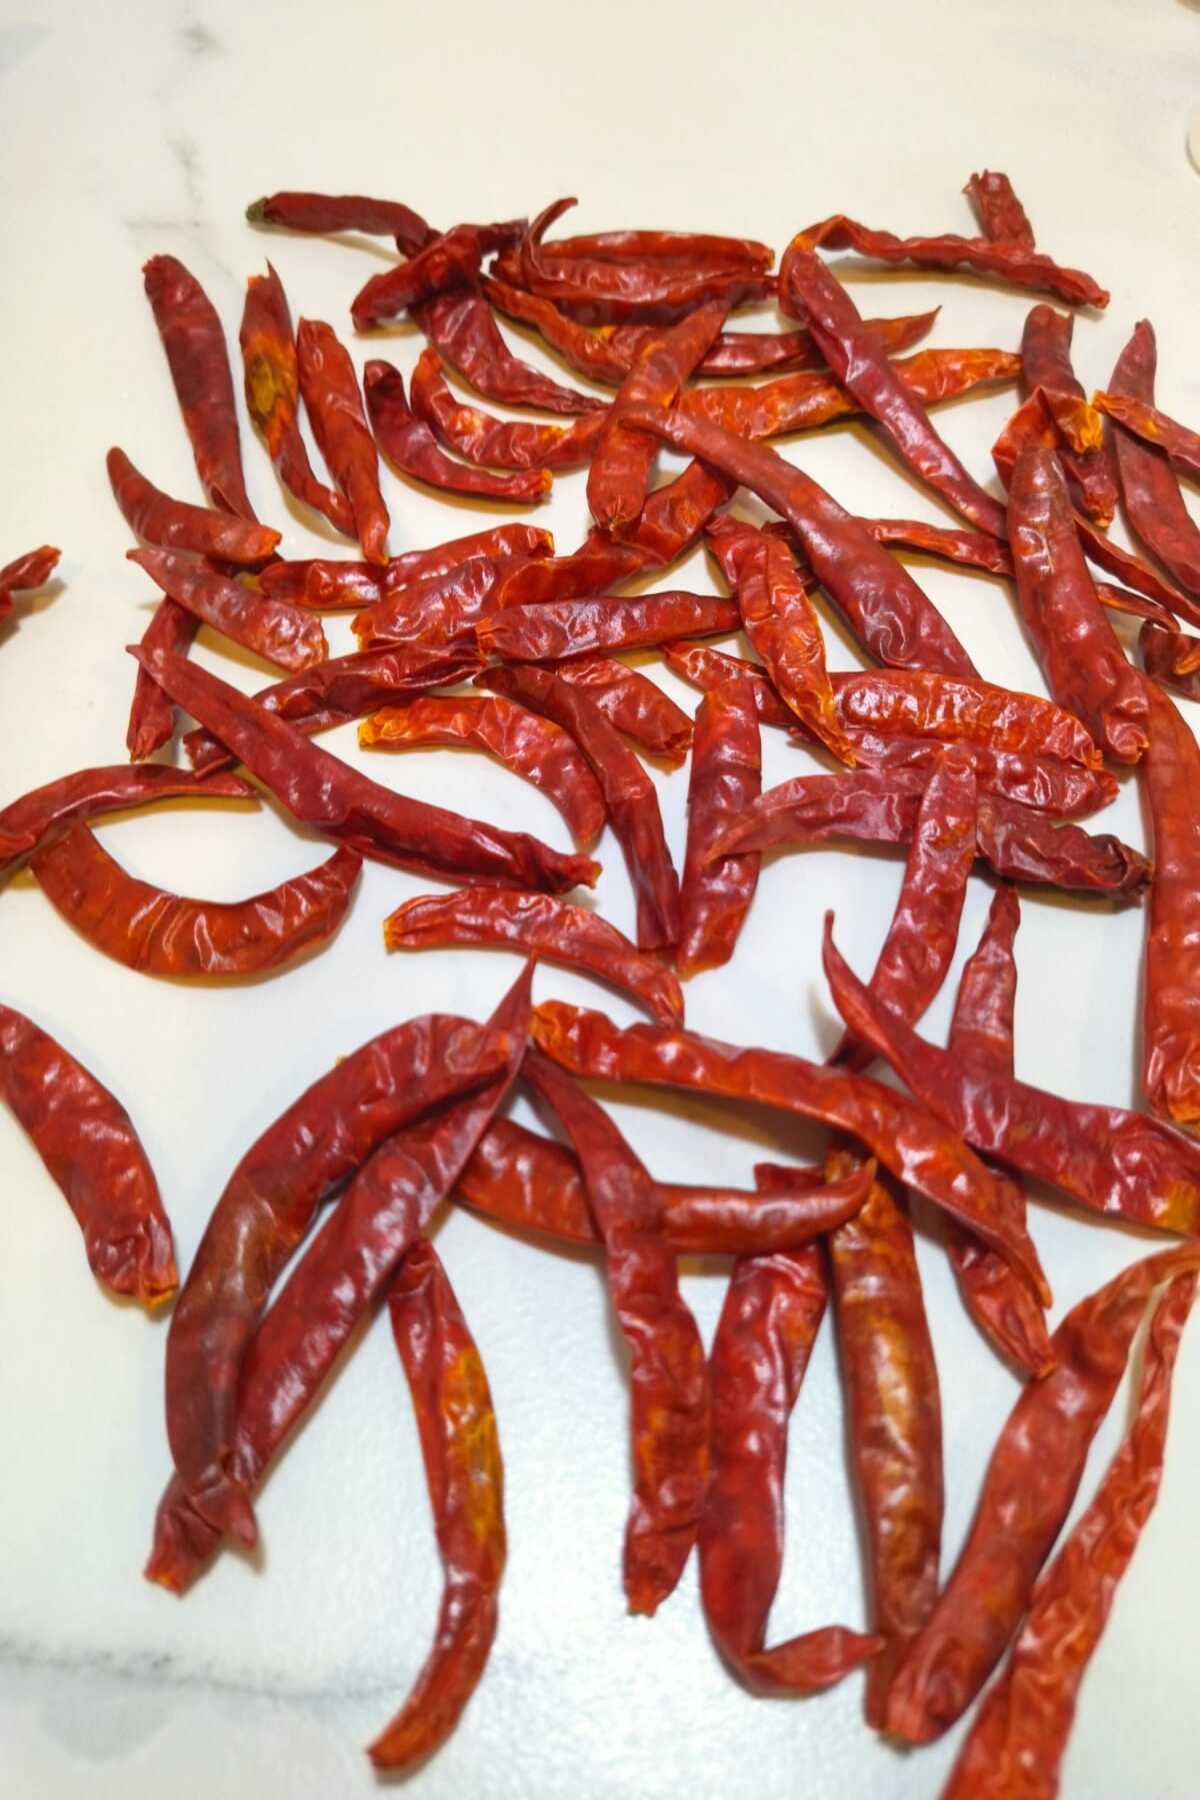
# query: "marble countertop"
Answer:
x=147 y=127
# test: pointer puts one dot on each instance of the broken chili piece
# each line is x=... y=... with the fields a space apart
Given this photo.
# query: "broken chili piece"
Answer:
x=1171 y=657
x=1001 y=216
x=331 y=395
x=772 y=1313
x=669 y=1398
x=541 y=926
x=726 y=773
x=408 y=443
x=1150 y=489
x=89 y=1146
x=158 y=519
x=531 y=746
x=282 y=634
x=159 y=933
x=24 y=573
x=456 y=1422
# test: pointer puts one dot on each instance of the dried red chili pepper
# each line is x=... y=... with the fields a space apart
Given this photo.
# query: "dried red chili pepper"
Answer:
x=158 y=519
x=1145 y=422
x=726 y=774
x=884 y=606
x=596 y=566
x=1019 y=1735
x=633 y=703
x=264 y=1212
x=669 y=1401
x=343 y=212
x=31 y=822
x=1115 y=1162
x=1001 y=216
x=273 y=396
x=772 y=1313
x=556 y=630
x=708 y=669
x=1014 y=263
x=597 y=291
x=1027 y=1493
x=408 y=443
x=888 y=1368
x=498 y=443
x=1046 y=366
x=330 y=585
x=321 y=791
x=151 y=714
x=24 y=573
x=906 y=1138
x=535 y=1183
x=438 y=611
x=621 y=461
x=1022 y=845
x=974 y=549
x=90 y=1148
x=760 y=352
x=812 y=294
x=461 y=1450
x=1171 y=997
x=982 y=1029
x=195 y=345
x=1135 y=574
x=1149 y=486
x=542 y=927
x=921 y=939
x=673 y=249
x=331 y=395
x=450 y=260
x=1078 y=651
x=1027 y=782
x=462 y=330
x=280 y=633
x=1171 y=657
x=675 y=514
x=159 y=933
x=629 y=795
x=533 y=747
x=805 y=402
x=341 y=689
x=588 y=352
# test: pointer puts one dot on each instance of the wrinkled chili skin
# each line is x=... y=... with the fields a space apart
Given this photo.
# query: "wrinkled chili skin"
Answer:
x=324 y=792
x=1170 y=1072
x=726 y=774
x=462 y=330
x=1172 y=658
x=760 y=352
x=1119 y=1163
x=556 y=630
x=1135 y=574
x=588 y=352
x=32 y=821
x=542 y=926
x=438 y=610
x=633 y=703
x=388 y=1202
x=264 y=1212
x=90 y=1148
x=334 y=404
x=272 y=387
x=669 y=1395
x=1150 y=490
x=921 y=939
x=343 y=212
x=451 y=260
x=460 y=1446
x=195 y=346
x=810 y=293
x=282 y=634
x=1015 y=263
x=772 y=1313
x=343 y=688
x=887 y=1364
x=531 y=746
x=1027 y=1493
x=327 y=584
x=151 y=715
x=1046 y=365
x=629 y=795
x=1080 y=656
x=885 y=608
x=160 y=933
x=158 y=519
x=974 y=549
x=1020 y=1733
x=497 y=443
x=534 y=1183
x=1144 y=421
x=905 y=1137
x=1001 y=216
x=408 y=442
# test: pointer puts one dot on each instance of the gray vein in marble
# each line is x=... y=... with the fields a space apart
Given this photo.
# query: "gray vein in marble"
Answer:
x=161 y=1669
x=18 y=42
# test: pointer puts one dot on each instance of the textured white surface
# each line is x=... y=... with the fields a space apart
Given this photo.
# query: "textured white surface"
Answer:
x=146 y=127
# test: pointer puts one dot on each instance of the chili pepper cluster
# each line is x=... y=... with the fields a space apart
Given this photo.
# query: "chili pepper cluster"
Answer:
x=340 y=1191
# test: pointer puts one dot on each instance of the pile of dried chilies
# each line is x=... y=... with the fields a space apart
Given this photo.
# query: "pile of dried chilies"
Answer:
x=924 y=751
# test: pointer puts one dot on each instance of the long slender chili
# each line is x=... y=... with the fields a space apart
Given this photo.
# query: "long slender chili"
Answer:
x=497 y=443
x=1170 y=774
x=177 y=525
x=726 y=774
x=555 y=630
x=283 y=634
x=1181 y=444
x=669 y=1399
x=1150 y=489
x=331 y=585
x=633 y=703
x=331 y=395
x=88 y=1143
x=450 y=260
x=462 y=330
x=343 y=212
x=408 y=442
x=151 y=713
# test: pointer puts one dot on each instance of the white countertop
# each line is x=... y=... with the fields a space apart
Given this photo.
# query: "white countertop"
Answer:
x=145 y=127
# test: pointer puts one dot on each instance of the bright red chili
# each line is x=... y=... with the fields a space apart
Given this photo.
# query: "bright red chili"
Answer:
x=331 y=395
